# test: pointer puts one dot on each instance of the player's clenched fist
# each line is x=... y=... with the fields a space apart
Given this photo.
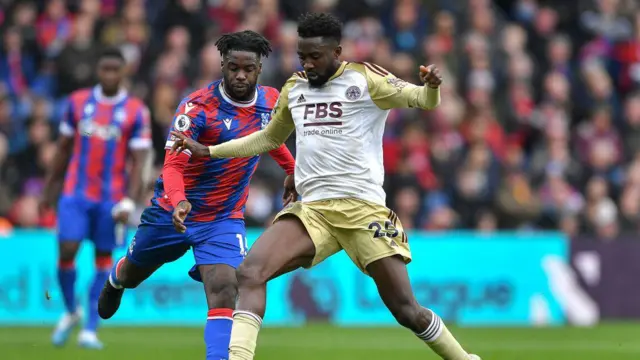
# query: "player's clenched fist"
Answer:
x=184 y=143
x=180 y=214
x=430 y=76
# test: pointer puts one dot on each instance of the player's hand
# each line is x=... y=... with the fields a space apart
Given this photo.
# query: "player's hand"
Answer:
x=122 y=210
x=430 y=76
x=122 y=217
x=44 y=205
x=290 y=194
x=182 y=143
x=180 y=214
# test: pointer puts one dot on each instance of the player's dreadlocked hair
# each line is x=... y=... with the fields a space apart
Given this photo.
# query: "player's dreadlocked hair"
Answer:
x=244 y=41
x=320 y=24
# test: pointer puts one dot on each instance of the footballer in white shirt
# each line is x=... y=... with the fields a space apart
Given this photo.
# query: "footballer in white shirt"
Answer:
x=338 y=111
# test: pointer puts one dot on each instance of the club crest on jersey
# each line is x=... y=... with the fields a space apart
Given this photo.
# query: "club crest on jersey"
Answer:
x=265 y=120
x=353 y=93
x=182 y=123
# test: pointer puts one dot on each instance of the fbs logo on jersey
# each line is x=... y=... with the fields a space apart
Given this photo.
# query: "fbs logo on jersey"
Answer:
x=183 y=123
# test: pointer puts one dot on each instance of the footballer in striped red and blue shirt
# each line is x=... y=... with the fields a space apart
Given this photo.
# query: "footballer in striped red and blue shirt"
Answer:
x=200 y=203
x=104 y=129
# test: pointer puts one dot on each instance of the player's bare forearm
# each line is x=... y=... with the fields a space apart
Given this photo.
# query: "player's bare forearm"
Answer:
x=55 y=175
x=136 y=182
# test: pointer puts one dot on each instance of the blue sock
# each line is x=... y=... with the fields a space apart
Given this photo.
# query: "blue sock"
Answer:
x=217 y=333
x=103 y=267
x=67 y=281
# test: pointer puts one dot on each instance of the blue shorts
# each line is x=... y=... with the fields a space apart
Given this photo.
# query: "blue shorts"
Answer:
x=80 y=218
x=157 y=242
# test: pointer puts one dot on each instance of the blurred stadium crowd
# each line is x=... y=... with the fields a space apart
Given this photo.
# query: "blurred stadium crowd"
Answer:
x=539 y=125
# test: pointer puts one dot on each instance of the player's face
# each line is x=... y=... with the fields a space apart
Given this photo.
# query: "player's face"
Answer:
x=319 y=58
x=110 y=74
x=240 y=70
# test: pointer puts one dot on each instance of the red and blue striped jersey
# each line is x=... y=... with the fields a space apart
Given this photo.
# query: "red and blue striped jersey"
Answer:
x=103 y=129
x=216 y=188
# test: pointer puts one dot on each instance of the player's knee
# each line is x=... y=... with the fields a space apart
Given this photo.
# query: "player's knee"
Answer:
x=249 y=274
x=408 y=314
x=222 y=294
x=67 y=252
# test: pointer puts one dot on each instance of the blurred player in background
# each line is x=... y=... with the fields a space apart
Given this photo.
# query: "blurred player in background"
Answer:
x=338 y=110
x=103 y=128
x=199 y=203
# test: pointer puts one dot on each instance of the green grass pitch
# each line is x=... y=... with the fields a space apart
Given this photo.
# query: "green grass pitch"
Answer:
x=320 y=342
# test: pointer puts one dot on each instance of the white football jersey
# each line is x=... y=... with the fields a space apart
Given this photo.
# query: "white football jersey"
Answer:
x=339 y=128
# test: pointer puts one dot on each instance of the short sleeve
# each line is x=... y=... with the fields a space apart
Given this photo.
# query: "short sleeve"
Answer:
x=141 y=132
x=189 y=119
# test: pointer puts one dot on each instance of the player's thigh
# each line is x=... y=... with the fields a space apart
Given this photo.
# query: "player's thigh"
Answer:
x=217 y=243
x=310 y=220
x=370 y=232
x=73 y=224
x=156 y=242
x=220 y=284
x=284 y=246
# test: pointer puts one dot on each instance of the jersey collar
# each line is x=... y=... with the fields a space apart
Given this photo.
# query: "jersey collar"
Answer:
x=228 y=99
x=109 y=100
x=339 y=71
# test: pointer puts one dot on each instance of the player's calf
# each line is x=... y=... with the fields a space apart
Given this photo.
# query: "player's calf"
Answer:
x=124 y=275
x=391 y=278
x=221 y=289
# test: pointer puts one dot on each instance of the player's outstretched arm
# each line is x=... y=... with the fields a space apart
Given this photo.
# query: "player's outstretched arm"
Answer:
x=388 y=91
x=271 y=137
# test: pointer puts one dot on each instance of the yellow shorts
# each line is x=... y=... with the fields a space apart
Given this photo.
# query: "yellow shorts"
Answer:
x=366 y=231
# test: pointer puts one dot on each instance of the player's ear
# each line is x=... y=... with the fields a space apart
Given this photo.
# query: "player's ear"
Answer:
x=259 y=68
x=337 y=52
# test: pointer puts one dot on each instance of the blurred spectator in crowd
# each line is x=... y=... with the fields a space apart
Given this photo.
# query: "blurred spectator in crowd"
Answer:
x=539 y=124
